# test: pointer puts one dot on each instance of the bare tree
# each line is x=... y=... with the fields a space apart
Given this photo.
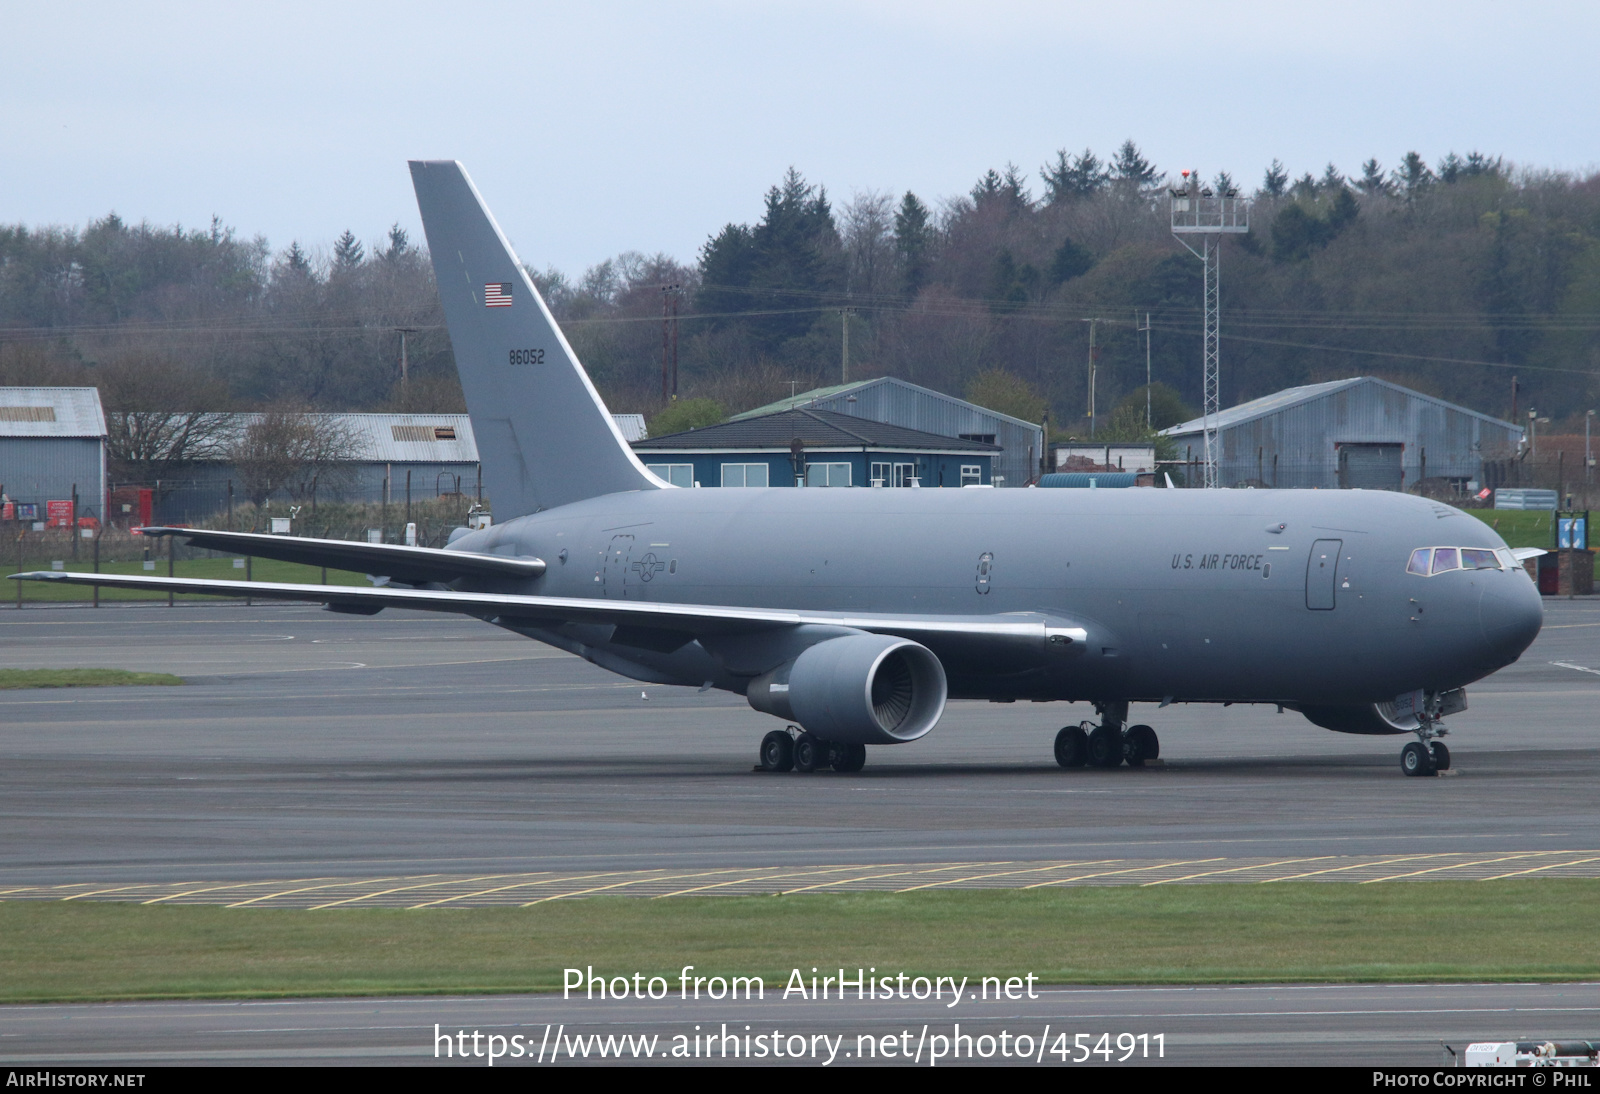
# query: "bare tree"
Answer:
x=867 y=228
x=161 y=415
x=289 y=450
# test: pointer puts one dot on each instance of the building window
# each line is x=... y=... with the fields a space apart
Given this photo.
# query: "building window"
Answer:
x=744 y=474
x=678 y=474
x=971 y=474
x=827 y=474
x=893 y=474
x=981 y=438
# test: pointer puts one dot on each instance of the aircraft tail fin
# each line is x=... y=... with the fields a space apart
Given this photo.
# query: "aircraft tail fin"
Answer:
x=544 y=436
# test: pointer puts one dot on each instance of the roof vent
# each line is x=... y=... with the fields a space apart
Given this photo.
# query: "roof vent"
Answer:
x=415 y=432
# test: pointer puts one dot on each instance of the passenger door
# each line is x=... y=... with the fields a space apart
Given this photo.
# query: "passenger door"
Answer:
x=1322 y=573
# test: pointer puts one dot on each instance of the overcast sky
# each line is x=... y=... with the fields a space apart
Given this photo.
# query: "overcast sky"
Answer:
x=597 y=128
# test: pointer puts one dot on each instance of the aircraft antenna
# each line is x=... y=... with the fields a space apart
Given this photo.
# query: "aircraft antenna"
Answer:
x=1196 y=211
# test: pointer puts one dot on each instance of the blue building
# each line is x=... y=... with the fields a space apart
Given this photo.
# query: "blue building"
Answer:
x=899 y=402
x=808 y=447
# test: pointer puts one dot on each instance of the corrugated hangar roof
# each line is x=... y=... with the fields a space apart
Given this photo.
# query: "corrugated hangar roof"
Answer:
x=51 y=412
x=830 y=394
x=1295 y=396
x=821 y=429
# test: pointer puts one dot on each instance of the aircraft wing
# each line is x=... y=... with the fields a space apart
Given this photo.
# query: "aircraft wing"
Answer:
x=414 y=565
x=656 y=625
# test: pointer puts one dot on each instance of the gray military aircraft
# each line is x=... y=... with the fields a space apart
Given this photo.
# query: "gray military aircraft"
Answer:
x=856 y=614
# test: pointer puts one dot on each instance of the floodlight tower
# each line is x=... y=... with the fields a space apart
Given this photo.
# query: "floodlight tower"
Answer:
x=1196 y=211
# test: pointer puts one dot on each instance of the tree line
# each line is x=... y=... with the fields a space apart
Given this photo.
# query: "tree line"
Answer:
x=1450 y=278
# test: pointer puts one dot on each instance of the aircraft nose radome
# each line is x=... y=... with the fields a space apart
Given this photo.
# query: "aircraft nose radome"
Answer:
x=1511 y=618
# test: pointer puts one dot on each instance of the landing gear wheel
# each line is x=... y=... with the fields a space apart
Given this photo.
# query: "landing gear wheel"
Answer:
x=810 y=753
x=1072 y=747
x=1441 y=756
x=849 y=757
x=777 y=751
x=1105 y=747
x=1139 y=745
x=1416 y=760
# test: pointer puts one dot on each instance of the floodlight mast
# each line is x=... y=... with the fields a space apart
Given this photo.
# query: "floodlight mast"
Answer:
x=1198 y=212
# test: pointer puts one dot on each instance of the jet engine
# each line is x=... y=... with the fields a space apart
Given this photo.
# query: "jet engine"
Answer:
x=869 y=689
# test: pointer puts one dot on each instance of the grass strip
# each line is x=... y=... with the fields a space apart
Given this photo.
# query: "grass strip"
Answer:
x=83 y=678
x=1190 y=934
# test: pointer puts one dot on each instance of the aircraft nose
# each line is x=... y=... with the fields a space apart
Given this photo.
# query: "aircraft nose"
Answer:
x=1511 y=614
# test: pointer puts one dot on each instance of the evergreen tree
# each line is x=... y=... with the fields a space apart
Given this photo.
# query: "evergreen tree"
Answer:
x=1478 y=165
x=913 y=241
x=1276 y=182
x=1373 y=182
x=1412 y=176
x=1224 y=185
x=399 y=243
x=1451 y=168
x=1070 y=261
x=1073 y=176
x=1332 y=181
x=1131 y=171
x=294 y=259
x=347 y=252
x=781 y=266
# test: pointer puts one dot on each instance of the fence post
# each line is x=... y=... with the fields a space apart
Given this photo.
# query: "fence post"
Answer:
x=20 y=533
x=230 y=505
x=249 y=575
x=73 y=523
x=172 y=546
x=97 y=562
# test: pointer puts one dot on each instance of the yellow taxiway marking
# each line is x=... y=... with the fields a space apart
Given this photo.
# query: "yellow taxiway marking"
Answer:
x=103 y=892
x=329 y=885
x=1010 y=873
x=872 y=877
x=1546 y=866
x=623 y=885
x=545 y=880
x=1394 y=860
x=448 y=880
x=752 y=879
x=1129 y=870
x=1235 y=870
x=219 y=888
x=1459 y=865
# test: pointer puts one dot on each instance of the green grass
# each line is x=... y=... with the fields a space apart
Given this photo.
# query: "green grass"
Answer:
x=1420 y=931
x=213 y=569
x=1519 y=528
x=83 y=678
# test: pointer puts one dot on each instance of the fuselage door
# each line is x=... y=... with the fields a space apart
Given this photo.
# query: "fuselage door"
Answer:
x=614 y=574
x=1322 y=571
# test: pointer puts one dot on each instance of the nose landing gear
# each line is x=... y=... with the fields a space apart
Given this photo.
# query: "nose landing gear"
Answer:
x=1427 y=755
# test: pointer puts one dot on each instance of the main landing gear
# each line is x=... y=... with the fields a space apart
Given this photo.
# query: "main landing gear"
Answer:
x=1108 y=744
x=793 y=749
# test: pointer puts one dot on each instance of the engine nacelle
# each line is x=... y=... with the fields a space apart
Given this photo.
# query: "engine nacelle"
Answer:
x=869 y=689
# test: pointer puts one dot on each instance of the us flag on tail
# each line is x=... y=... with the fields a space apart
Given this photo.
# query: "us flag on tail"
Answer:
x=497 y=294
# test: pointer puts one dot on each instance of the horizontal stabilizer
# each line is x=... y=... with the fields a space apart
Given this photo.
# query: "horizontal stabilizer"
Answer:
x=412 y=565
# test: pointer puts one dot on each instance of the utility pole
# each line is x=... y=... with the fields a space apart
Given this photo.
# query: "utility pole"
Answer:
x=1196 y=211
x=1588 y=458
x=844 y=331
x=669 y=343
x=404 y=368
x=1093 y=355
x=1146 y=329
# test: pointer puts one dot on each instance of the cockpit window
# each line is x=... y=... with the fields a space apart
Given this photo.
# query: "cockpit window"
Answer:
x=1437 y=560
